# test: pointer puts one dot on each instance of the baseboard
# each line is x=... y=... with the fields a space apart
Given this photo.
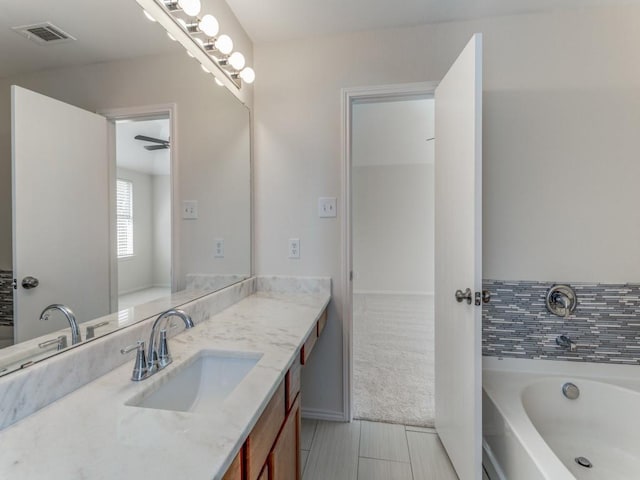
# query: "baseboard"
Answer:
x=390 y=292
x=319 y=414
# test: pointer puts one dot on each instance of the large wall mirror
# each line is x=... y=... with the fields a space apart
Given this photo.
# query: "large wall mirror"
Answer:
x=124 y=172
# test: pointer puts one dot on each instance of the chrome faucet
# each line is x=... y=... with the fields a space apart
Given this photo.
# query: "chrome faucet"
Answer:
x=71 y=318
x=158 y=356
x=565 y=342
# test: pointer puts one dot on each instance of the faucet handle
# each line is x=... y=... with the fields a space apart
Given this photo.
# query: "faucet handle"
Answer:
x=140 y=369
x=164 y=357
x=60 y=342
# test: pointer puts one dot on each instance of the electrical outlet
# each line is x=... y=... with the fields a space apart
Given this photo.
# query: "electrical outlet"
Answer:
x=189 y=209
x=327 y=207
x=294 y=248
x=219 y=246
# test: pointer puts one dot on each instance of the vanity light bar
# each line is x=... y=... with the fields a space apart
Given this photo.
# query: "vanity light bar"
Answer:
x=217 y=48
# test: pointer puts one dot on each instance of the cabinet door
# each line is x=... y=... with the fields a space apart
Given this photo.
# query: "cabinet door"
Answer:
x=285 y=456
x=265 y=432
x=265 y=473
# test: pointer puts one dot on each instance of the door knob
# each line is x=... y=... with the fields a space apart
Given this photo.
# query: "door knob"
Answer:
x=466 y=295
x=30 y=282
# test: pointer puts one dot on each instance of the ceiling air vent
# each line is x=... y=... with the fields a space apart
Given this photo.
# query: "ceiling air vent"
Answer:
x=44 y=33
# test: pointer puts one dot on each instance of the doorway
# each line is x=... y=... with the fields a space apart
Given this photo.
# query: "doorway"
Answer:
x=143 y=209
x=392 y=220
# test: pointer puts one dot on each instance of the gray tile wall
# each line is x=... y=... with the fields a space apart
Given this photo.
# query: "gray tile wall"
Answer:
x=605 y=324
x=6 y=297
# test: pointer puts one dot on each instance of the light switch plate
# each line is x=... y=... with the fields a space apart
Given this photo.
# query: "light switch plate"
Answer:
x=294 y=248
x=189 y=209
x=327 y=207
x=219 y=247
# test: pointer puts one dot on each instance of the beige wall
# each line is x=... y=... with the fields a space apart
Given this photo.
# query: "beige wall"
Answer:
x=393 y=196
x=561 y=116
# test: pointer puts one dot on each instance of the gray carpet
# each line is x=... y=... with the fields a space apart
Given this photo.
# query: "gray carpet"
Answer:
x=393 y=359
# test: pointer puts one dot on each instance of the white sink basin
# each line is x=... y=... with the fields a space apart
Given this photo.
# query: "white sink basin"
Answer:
x=203 y=383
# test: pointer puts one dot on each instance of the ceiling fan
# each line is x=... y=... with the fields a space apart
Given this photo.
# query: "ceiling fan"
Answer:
x=162 y=143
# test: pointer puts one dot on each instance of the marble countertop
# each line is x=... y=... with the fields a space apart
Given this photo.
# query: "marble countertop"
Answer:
x=92 y=434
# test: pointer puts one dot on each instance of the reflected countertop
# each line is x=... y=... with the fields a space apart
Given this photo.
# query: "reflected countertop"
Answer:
x=92 y=434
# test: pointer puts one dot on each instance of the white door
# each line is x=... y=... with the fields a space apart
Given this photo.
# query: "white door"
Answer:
x=60 y=211
x=458 y=260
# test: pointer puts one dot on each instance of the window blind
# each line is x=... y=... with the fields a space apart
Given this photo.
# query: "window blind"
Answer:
x=124 y=217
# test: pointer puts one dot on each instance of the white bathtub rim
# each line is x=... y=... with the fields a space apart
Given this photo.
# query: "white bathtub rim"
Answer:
x=522 y=429
x=490 y=463
x=507 y=398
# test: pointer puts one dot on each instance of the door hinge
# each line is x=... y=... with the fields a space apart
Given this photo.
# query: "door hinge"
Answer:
x=14 y=284
x=478 y=299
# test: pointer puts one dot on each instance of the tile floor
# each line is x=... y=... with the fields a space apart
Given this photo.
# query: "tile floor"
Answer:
x=372 y=451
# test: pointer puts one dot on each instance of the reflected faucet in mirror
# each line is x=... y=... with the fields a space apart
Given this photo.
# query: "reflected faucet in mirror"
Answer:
x=71 y=318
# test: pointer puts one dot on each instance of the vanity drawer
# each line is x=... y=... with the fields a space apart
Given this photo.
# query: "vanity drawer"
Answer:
x=292 y=383
x=322 y=322
x=235 y=470
x=264 y=434
x=309 y=343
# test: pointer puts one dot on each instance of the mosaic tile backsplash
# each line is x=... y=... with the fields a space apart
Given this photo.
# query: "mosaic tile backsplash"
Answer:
x=605 y=325
x=6 y=297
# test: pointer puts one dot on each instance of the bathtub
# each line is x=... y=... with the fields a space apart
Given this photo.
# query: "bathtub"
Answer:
x=531 y=431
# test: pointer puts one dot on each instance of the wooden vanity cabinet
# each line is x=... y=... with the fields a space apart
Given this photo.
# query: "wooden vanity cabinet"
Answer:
x=235 y=470
x=265 y=473
x=264 y=434
x=310 y=342
x=272 y=450
x=284 y=459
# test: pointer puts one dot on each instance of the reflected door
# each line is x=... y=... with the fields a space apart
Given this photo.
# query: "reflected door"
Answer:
x=458 y=260
x=59 y=155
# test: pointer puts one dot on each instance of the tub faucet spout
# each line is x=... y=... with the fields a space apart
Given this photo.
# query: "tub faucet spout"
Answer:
x=565 y=342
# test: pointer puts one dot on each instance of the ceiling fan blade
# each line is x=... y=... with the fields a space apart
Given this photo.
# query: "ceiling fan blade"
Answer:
x=151 y=139
x=156 y=147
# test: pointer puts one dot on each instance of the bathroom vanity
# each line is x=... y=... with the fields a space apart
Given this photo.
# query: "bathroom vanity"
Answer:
x=246 y=427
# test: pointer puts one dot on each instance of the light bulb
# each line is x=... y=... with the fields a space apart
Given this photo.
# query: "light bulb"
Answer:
x=224 y=44
x=204 y=69
x=171 y=37
x=236 y=60
x=218 y=82
x=190 y=7
x=209 y=25
x=248 y=75
x=148 y=15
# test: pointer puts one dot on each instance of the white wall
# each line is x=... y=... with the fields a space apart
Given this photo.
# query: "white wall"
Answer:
x=393 y=196
x=562 y=112
x=136 y=272
x=213 y=146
